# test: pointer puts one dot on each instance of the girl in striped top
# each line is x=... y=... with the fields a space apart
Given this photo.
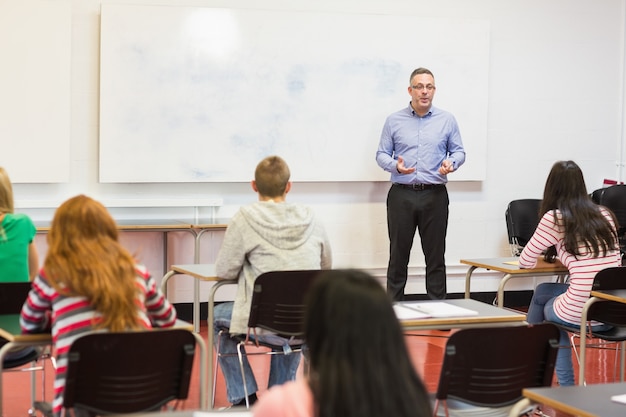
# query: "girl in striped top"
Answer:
x=89 y=282
x=583 y=237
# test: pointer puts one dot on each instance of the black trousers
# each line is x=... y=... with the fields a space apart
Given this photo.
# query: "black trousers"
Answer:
x=426 y=211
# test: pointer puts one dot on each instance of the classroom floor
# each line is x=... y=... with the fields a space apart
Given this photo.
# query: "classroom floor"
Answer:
x=426 y=348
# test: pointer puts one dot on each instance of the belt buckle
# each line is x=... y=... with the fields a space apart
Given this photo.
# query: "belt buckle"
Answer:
x=418 y=187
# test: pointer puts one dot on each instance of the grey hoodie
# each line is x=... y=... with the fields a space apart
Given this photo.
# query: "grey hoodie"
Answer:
x=268 y=236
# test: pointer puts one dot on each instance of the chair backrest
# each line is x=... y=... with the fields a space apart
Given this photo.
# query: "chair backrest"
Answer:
x=613 y=198
x=278 y=301
x=489 y=367
x=12 y=296
x=522 y=217
x=609 y=312
x=128 y=372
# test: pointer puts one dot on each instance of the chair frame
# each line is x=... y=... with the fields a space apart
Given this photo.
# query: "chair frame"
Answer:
x=125 y=372
x=605 y=311
x=490 y=366
x=609 y=312
x=277 y=306
x=12 y=297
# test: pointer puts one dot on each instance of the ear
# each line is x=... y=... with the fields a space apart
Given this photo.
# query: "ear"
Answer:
x=288 y=187
x=253 y=184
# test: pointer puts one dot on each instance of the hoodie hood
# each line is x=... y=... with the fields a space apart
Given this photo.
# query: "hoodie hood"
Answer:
x=283 y=225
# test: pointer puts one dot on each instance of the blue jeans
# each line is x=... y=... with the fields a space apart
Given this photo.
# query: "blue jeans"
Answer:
x=283 y=368
x=541 y=309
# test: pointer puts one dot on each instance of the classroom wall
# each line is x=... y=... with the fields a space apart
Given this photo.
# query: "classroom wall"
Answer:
x=555 y=92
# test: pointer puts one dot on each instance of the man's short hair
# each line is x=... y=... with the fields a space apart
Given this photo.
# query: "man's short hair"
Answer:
x=418 y=71
x=271 y=176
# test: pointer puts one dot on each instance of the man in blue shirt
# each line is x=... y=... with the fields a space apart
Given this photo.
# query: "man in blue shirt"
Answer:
x=419 y=145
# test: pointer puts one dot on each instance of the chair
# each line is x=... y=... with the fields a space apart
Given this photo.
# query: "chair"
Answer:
x=608 y=312
x=522 y=217
x=614 y=198
x=12 y=297
x=485 y=369
x=128 y=372
x=277 y=306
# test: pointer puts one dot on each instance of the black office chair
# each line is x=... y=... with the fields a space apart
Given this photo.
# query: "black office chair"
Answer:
x=608 y=312
x=129 y=372
x=614 y=198
x=484 y=370
x=278 y=307
x=522 y=217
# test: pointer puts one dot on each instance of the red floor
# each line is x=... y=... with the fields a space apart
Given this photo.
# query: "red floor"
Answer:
x=426 y=350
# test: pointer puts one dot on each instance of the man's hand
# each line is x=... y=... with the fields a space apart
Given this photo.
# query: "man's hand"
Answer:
x=401 y=168
x=446 y=167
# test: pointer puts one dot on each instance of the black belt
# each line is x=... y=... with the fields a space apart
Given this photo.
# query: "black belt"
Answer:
x=419 y=187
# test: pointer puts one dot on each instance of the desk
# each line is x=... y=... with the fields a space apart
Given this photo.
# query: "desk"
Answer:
x=509 y=270
x=158 y=225
x=487 y=316
x=201 y=272
x=10 y=330
x=588 y=401
x=595 y=296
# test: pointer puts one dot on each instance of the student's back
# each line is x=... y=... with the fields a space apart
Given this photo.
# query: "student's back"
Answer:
x=16 y=234
x=18 y=254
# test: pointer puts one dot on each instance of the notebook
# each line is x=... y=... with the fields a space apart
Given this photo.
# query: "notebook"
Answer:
x=431 y=309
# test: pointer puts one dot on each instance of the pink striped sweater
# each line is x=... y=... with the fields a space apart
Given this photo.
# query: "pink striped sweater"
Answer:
x=71 y=317
x=582 y=270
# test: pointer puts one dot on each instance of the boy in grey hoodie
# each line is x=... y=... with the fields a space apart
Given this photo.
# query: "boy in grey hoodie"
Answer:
x=267 y=235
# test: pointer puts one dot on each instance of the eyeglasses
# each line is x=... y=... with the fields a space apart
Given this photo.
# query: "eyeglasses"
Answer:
x=420 y=87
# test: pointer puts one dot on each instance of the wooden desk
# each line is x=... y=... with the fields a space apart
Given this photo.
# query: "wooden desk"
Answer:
x=10 y=330
x=509 y=270
x=487 y=316
x=201 y=272
x=596 y=296
x=588 y=401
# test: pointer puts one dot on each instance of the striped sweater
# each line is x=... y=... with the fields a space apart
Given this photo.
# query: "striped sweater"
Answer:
x=582 y=269
x=71 y=317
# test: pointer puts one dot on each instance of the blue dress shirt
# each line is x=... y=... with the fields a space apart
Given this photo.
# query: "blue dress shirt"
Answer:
x=424 y=143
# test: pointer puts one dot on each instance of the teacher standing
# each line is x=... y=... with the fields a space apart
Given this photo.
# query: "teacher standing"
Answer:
x=419 y=145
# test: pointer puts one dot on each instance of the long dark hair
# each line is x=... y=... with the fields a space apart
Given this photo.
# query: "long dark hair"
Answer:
x=583 y=222
x=359 y=363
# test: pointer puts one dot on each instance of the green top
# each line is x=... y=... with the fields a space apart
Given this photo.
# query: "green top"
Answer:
x=17 y=231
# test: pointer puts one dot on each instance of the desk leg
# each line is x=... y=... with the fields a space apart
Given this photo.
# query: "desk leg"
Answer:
x=3 y=352
x=196 y=305
x=164 y=280
x=468 y=278
x=210 y=330
x=204 y=355
x=583 y=340
x=196 y=282
x=503 y=282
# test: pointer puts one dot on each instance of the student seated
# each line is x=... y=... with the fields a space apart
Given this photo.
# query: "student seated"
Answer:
x=89 y=282
x=268 y=235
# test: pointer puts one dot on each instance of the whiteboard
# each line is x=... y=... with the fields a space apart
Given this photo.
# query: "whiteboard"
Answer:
x=198 y=94
x=35 y=43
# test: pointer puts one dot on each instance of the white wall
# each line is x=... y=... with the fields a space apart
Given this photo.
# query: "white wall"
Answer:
x=555 y=92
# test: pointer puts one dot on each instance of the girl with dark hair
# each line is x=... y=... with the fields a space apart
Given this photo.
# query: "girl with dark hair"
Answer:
x=359 y=363
x=583 y=237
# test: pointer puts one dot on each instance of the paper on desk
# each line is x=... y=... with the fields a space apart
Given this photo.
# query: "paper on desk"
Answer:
x=619 y=398
x=406 y=313
x=511 y=262
x=435 y=309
